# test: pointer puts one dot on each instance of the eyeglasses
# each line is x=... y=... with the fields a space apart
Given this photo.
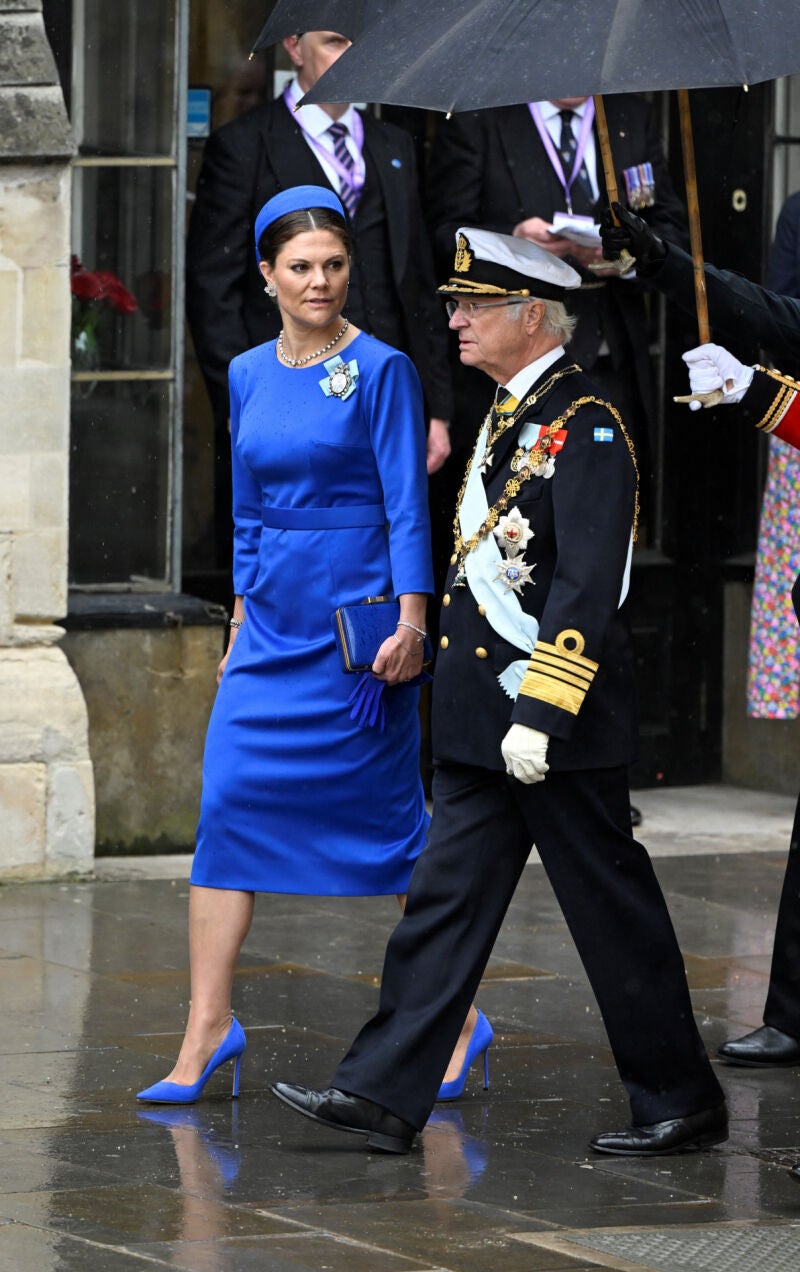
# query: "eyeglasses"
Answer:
x=469 y=309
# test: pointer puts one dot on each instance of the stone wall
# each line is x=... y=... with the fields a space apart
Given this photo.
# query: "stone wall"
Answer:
x=147 y=665
x=46 y=784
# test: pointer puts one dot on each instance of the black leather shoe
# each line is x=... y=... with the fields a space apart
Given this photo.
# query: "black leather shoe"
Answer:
x=385 y=1132
x=794 y=1171
x=636 y=815
x=677 y=1135
x=764 y=1048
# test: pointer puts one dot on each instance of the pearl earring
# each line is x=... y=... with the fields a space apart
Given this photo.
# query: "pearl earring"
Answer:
x=271 y=290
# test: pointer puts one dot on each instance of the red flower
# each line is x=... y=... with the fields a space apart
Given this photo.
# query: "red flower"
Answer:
x=101 y=285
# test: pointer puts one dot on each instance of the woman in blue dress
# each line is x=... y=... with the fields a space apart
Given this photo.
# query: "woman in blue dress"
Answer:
x=330 y=507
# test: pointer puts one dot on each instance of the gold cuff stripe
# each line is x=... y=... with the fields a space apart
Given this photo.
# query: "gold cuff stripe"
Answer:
x=561 y=655
x=777 y=410
x=554 y=692
x=571 y=676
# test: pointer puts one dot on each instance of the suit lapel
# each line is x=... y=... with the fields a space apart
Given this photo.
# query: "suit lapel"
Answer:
x=293 y=160
x=536 y=184
x=388 y=167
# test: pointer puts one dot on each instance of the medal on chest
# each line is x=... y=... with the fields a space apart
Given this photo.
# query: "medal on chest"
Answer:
x=539 y=455
x=540 y=458
x=513 y=533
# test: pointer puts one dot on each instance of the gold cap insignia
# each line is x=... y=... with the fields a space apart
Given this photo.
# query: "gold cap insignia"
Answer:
x=463 y=255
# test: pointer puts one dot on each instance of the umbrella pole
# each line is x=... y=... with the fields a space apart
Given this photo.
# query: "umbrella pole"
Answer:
x=626 y=261
x=693 y=206
x=605 y=151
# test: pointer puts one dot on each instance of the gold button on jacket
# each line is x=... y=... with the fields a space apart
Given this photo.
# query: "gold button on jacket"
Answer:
x=444 y=642
x=481 y=652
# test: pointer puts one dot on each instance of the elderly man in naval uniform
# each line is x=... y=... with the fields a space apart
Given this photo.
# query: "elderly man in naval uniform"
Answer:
x=534 y=724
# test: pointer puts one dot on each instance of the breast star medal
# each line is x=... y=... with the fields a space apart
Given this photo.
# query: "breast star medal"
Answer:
x=514 y=573
x=513 y=533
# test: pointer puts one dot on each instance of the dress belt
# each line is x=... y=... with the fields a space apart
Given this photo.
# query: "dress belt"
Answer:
x=348 y=515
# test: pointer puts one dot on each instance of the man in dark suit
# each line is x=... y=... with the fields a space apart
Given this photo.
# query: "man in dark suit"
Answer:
x=372 y=166
x=534 y=724
x=510 y=169
x=742 y=311
x=783 y=270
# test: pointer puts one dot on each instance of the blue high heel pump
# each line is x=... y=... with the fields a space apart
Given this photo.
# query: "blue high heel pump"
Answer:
x=232 y=1047
x=479 y=1044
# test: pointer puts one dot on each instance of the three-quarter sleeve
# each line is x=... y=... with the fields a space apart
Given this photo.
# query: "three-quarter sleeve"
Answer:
x=393 y=400
x=246 y=497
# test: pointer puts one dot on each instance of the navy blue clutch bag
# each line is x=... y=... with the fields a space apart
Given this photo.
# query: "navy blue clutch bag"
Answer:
x=361 y=629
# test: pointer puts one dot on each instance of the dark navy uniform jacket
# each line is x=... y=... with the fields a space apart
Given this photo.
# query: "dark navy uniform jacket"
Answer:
x=579 y=685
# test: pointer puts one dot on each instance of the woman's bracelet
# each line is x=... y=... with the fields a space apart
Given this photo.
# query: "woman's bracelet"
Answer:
x=236 y=622
x=421 y=633
x=402 y=643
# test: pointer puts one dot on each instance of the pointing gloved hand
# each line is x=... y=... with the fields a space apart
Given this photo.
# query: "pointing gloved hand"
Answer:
x=715 y=376
x=524 y=751
x=632 y=235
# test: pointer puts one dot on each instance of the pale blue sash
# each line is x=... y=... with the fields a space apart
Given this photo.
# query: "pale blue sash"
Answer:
x=503 y=610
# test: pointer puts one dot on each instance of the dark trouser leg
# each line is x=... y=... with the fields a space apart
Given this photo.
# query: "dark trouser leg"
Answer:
x=782 y=1009
x=617 y=915
x=459 y=893
x=458 y=896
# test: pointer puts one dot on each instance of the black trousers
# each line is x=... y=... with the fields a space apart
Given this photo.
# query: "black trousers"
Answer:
x=782 y=1009
x=483 y=825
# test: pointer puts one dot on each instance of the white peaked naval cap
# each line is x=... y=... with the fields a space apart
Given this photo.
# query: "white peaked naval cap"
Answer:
x=493 y=264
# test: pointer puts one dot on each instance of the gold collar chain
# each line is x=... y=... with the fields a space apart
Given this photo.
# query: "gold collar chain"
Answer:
x=523 y=463
x=512 y=486
x=505 y=422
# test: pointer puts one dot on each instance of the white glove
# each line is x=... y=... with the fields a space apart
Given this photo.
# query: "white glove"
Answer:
x=712 y=367
x=524 y=752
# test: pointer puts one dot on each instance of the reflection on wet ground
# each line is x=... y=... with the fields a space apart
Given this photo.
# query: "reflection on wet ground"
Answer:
x=95 y=991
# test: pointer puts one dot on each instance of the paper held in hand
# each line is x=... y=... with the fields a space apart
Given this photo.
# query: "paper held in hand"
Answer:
x=578 y=229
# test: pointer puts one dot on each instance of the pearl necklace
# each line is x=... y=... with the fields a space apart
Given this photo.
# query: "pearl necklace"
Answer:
x=299 y=362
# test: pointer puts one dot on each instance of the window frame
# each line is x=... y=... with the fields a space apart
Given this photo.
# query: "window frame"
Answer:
x=176 y=162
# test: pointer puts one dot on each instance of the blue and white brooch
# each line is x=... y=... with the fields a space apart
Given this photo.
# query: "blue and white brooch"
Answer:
x=513 y=533
x=341 y=379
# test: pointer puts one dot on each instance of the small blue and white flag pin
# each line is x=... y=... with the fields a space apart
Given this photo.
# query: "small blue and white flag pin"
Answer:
x=604 y=434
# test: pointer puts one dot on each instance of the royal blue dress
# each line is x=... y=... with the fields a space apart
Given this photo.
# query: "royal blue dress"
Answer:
x=330 y=506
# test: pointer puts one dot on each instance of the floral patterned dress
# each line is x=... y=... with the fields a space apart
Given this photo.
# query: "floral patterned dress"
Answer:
x=773 y=688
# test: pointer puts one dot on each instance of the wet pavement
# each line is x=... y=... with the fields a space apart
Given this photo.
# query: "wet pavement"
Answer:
x=94 y=978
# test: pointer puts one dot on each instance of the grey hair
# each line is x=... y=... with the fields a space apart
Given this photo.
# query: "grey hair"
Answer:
x=555 y=319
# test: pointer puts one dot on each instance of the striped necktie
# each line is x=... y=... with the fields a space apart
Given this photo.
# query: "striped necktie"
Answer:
x=347 y=192
x=582 y=197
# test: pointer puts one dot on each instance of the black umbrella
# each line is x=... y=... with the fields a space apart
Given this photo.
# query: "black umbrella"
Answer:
x=432 y=54
x=463 y=56
x=347 y=17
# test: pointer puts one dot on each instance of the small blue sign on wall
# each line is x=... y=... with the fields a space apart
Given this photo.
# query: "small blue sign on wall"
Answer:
x=198 y=117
